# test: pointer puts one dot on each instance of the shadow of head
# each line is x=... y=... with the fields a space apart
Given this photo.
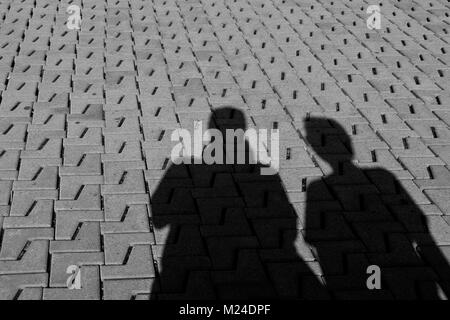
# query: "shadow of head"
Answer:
x=328 y=139
x=227 y=118
x=239 y=145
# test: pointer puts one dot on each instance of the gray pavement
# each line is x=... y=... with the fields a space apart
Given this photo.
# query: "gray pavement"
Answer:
x=86 y=117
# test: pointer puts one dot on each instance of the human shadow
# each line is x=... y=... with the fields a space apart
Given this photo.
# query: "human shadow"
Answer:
x=359 y=217
x=224 y=231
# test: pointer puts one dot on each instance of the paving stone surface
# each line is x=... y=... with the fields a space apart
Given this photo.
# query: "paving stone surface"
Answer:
x=86 y=177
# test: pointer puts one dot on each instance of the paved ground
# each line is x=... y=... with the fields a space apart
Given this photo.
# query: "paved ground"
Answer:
x=86 y=118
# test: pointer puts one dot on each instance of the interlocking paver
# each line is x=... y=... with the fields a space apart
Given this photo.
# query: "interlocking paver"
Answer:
x=86 y=118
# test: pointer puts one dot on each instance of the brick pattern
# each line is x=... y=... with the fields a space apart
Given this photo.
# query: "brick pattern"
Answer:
x=86 y=118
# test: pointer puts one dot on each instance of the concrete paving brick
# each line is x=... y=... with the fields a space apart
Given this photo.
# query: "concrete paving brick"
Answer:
x=74 y=154
x=127 y=289
x=118 y=246
x=121 y=122
x=16 y=240
x=86 y=238
x=42 y=147
x=86 y=118
x=420 y=167
x=438 y=178
x=129 y=181
x=134 y=218
x=137 y=264
x=38 y=215
x=32 y=259
x=68 y=221
x=43 y=178
x=6 y=187
x=15 y=285
x=60 y=262
x=122 y=148
x=90 y=287
x=439 y=197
